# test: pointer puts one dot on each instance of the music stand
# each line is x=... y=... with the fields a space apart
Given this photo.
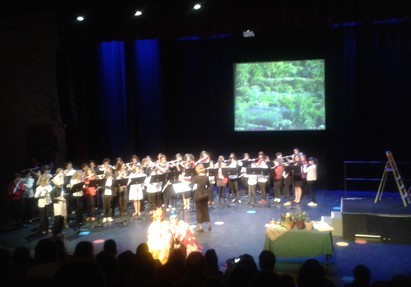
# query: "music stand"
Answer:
x=205 y=164
x=292 y=169
x=180 y=187
x=98 y=184
x=257 y=170
x=136 y=180
x=173 y=175
x=119 y=183
x=229 y=171
x=77 y=187
x=155 y=178
x=190 y=172
x=212 y=172
x=247 y=163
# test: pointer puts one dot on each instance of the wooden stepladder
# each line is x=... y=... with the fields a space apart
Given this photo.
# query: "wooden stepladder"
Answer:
x=391 y=166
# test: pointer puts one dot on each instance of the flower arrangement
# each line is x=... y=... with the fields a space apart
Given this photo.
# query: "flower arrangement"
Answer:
x=300 y=216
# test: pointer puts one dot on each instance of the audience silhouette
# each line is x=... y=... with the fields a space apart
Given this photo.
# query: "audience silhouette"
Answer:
x=53 y=266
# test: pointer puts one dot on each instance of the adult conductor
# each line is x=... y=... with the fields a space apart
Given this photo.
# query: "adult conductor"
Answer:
x=200 y=184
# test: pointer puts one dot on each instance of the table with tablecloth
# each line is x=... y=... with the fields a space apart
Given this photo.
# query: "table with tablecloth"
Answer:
x=299 y=243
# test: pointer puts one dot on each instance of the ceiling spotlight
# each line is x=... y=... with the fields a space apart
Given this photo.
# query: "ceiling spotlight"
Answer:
x=138 y=13
x=197 y=6
x=80 y=18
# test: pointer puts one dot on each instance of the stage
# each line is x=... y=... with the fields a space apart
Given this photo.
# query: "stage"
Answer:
x=387 y=220
x=239 y=229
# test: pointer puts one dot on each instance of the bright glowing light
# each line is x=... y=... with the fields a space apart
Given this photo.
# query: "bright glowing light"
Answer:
x=98 y=241
x=341 y=244
x=138 y=13
x=361 y=241
x=336 y=208
x=197 y=6
x=251 y=211
x=84 y=233
x=80 y=18
x=219 y=222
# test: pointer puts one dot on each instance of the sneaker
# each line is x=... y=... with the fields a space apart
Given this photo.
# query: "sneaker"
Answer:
x=312 y=204
x=288 y=203
x=239 y=201
x=110 y=219
x=277 y=200
x=233 y=200
x=104 y=219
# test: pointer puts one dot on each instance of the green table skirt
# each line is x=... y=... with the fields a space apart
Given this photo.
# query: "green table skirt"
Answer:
x=301 y=243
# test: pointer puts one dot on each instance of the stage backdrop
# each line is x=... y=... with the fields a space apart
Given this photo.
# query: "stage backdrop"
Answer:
x=177 y=95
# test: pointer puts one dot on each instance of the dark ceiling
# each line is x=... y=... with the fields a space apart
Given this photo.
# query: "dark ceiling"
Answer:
x=114 y=19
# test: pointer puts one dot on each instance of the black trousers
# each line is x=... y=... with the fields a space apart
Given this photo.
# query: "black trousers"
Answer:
x=58 y=224
x=278 y=187
x=310 y=190
x=44 y=218
x=17 y=211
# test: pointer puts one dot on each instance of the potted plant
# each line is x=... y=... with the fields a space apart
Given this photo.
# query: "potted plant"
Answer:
x=308 y=224
x=299 y=219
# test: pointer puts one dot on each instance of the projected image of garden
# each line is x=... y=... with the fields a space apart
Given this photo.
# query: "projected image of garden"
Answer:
x=272 y=96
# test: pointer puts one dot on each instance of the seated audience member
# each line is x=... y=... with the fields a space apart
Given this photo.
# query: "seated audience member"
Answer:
x=79 y=273
x=125 y=262
x=267 y=276
x=84 y=251
x=362 y=276
x=45 y=263
x=212 y=269
x=174 y=270
x=242 y=271
x=21 y=263
x=311 y=273
x=5 y=268
x=195 y=265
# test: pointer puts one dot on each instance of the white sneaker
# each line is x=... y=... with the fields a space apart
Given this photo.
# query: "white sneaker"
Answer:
x=277 y=200
x=312 y=204
x=110 y=219
x=288 y=203
x=104 y=219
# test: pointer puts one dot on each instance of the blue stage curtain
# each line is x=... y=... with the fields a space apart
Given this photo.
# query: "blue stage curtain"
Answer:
x=113 y=116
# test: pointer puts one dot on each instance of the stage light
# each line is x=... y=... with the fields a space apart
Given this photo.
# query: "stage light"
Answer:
x=138 y=13
x=98 y=241
x=197 y=6
x=80 y=18
x=368 y=236
x=360 y=241
x=248 y=34
x=341 y=244
x=84 y=233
